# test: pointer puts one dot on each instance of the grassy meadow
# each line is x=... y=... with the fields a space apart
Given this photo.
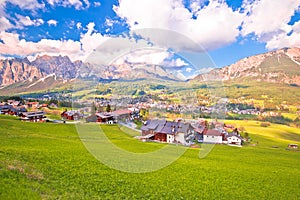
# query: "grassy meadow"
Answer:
x=48 y=161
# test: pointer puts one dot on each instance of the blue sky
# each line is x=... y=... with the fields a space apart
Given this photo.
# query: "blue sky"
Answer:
x=227 y=29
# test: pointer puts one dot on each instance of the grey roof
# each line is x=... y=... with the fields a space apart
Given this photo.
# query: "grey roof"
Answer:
x=169 y=128
x=166 y=127
x=161 y=125
x=155 y=124
x=19 y=110
x=33 y=114
x=144 y=128
x=184 y=127
x=5 y=107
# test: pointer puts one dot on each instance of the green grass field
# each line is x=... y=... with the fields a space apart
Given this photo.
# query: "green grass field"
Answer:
x=48 y=161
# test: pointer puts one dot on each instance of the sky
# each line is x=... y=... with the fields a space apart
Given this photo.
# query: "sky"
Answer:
x=168 y=32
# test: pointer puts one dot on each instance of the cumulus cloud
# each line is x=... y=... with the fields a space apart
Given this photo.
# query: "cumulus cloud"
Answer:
x=147 y=56
x=13 y=45
x=268 y=20
x=97 y=4
x=164 y=23
x=213 y=24
x=204 y=28
x=52 y=22
x=269 y=16
x=24 y=4
x=70 y=3
x=4 y=24
x=285 y=40
x=27 y=21
x=178 y=62
x=89 y=41
x=79 y=25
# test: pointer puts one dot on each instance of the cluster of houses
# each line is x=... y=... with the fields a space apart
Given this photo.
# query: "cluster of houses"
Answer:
x=125 y=115
x=16 y=108
x=185 y=133
x=157 y=129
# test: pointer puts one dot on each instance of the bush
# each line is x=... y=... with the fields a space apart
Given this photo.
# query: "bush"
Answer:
x=265 y=124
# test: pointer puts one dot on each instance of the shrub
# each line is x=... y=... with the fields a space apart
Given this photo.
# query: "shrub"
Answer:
x=265 y=124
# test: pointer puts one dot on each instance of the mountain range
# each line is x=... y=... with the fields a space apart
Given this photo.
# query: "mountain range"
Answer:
x=279 y=66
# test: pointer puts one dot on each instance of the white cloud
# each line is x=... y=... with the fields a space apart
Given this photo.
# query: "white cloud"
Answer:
x=189 y=70
x=52 y=22
x=172 y=15
x=91 y=40
x=31 y=5
x=178 y=62
x=79 y=25
x=285 y=40
x=4 y=24
x=27 y=21
x=70 y=3
x=24 y=4
x=268 y=20
x=13 y=45
x=109 y=22
x=76 y=50
x=97 y=4
x=147 y=56
x=87 y=3
x=215 y=24
x=212 y=25
x=269 y=16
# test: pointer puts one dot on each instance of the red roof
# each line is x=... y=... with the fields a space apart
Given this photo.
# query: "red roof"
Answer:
x=122 y=112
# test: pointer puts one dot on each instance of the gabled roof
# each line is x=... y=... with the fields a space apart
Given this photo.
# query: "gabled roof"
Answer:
x=122 y=112
x=155 y=125
x=213 y=132
x=233 y=135
x=19 y=110
x=169 y=128
x=5 y=107
x=72 y=112
x=104 y=115
x=160 y=125
x=33 y=114
x=183 y=127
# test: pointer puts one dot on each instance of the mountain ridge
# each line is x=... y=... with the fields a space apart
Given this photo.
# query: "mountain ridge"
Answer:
x=282 y=65
x=279 y=66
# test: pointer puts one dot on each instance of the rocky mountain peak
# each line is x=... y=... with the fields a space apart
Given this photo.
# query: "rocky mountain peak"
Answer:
x=282 y=65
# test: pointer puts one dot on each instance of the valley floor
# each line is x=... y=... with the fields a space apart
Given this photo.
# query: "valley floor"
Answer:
x=49 y=161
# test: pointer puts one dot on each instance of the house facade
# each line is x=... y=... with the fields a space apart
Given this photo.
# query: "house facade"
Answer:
x=71 y=115
x=105 y=118
x=33 y=116
x=213 y=136
x=234 y=139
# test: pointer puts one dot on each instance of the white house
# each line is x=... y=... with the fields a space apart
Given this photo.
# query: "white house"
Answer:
x=213 y=136
x=170 y=138
x=184 y=133
x=234 y=139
